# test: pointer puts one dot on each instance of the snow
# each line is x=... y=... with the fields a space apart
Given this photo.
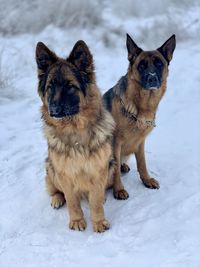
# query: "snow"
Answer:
x=151 y=228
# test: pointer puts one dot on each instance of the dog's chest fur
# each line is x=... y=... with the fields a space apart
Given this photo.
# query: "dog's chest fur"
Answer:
x=133 y=137
x=81 y=155
x=131 y=133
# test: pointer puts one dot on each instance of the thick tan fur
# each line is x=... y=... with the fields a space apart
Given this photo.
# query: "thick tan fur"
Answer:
x=79 y=155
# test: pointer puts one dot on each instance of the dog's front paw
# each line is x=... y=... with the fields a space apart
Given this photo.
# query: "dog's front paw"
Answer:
x=101 y=226
x=151 y=183
x=121 y=194
x=78 y=225
x=125 y=168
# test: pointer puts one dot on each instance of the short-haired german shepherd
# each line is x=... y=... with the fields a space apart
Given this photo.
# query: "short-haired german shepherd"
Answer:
x=79 y=133
x=133 y=102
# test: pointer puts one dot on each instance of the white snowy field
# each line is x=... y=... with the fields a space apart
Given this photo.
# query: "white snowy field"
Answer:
x=153 y=227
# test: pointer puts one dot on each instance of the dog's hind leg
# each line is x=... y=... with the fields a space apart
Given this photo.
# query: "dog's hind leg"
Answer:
x=124 y=166
x=58 y=199
x=118 y=188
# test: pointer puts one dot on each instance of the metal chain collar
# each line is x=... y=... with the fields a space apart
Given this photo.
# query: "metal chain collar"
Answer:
x=133 y=116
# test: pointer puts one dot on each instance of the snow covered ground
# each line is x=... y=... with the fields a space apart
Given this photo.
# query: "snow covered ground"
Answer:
x=152 y=228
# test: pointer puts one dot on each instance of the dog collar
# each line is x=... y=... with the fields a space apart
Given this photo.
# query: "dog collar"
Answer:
x=132 y=116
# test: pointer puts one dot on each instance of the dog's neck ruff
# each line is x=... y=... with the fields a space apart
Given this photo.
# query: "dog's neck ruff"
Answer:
x=133 y=116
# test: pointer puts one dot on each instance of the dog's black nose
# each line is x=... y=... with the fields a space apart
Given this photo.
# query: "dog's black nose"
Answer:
x=152 y=80
x=55 y=110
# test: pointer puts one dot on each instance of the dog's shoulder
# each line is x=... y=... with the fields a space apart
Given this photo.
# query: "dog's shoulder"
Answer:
x=104 y=126
x=107 y=99
x=122 y=85
x=119 y=89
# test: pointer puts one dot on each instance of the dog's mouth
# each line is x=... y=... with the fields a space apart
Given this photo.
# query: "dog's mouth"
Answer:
x=151 y=81
x=59 y=112
x=153 y=88
x=148 y=87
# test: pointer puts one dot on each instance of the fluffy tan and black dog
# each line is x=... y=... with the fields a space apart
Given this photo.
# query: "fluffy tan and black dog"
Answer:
x=133 y=102
x=79 y=133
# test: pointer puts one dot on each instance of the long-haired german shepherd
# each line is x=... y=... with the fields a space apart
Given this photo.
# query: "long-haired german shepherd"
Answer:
x=79 y=133
x=133 y=102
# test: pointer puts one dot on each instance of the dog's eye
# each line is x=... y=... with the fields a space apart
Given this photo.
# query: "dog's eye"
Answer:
x=71 y=90
x=158 y=63
x=51 y=88
x=142 y=65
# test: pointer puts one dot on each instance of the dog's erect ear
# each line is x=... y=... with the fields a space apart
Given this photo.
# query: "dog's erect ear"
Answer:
x=44 y=56
x=168 y=47
x=133 y=49
x=81 y=57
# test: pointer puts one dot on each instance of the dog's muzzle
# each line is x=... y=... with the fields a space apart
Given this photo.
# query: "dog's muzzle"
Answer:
x=152 y=81
x=59 y=111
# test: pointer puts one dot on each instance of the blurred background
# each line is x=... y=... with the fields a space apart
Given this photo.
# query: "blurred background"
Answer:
x=103 y=24
x=151 y=20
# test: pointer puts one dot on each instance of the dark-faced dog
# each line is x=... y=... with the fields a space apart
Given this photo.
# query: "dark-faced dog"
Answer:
x=133 y=102
x=79 y=132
